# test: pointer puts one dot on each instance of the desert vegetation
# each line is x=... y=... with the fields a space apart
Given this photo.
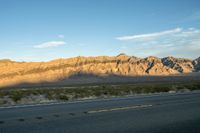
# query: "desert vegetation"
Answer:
x=55 y=94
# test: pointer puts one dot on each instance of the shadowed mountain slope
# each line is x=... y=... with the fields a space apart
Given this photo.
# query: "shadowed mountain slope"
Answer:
x=13 y=73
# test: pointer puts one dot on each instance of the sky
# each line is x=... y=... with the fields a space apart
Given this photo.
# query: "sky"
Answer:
x=42 y=30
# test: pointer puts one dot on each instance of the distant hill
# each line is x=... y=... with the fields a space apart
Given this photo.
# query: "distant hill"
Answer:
x=14 y=73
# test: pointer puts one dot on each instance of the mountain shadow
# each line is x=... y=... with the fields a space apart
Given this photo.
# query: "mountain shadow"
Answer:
x=83 y=79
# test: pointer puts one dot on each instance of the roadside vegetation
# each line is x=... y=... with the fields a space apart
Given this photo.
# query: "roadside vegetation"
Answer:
x=55 y=94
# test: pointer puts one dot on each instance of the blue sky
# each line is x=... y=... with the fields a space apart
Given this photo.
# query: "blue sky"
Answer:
x=41 y=30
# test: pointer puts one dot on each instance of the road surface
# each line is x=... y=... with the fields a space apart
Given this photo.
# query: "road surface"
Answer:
x=160 y=113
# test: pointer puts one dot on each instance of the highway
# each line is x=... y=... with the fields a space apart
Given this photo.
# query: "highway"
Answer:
x=157 y=113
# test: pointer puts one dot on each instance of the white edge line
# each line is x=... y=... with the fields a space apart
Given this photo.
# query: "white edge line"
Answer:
x=120 y=108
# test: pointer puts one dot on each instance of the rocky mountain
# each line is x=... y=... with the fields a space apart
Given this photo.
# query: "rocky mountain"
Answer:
x=12 y=73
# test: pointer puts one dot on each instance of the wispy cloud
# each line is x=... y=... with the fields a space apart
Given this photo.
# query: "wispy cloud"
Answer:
x=149 y=36
x=50 y=44
x=176 y=42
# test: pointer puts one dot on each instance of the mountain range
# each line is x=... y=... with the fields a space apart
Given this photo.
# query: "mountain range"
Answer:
x=13 y=73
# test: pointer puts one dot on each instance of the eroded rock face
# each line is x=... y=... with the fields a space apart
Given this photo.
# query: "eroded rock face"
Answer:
x=180 y=64
x=12 y=73
x=196 y=64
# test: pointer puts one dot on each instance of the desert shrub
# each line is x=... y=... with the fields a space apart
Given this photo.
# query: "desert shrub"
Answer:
x=49 y=96
x=16 y=95
x=63 y=97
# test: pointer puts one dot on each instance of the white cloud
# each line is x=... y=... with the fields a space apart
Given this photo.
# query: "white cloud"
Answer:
x=149 y=36
x=178 y=42
x=50 y=44
x=61 y=36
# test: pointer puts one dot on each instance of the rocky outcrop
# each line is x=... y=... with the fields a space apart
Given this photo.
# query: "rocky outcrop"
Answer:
x=196 y=64
x=179 y=64
x=12 y=72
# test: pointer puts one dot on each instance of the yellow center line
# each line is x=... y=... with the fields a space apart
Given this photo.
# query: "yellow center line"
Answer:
x=119 y=108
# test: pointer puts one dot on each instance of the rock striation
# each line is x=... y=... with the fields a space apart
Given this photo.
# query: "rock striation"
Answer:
x=12 y=72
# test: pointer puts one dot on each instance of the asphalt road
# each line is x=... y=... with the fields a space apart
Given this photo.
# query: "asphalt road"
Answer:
x=166 y=113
